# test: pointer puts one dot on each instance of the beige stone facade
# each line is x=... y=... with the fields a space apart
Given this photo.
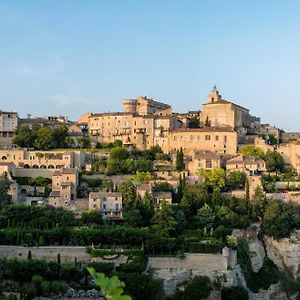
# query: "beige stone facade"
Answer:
x=221 y=112
x=145 y=106
x=204 y=159
x=109 y=203
x=221 y=140
x=140 y=131
x=42 y=159
x=249 y=164
x=64 y=185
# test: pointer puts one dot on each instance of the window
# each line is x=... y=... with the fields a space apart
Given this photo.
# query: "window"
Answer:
x=208 y=164
x=117 y=206
x=225 y=139
x=207 y=137
x=217 y=137
x=199 y=164
x=104 y=206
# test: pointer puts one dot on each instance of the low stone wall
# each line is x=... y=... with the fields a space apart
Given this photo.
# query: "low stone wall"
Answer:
x=67 y=254
x=20 y=172
x=50 y=253
x=175 y=271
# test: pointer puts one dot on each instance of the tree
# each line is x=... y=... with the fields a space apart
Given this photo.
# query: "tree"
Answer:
x=236 y=179
x=179 y=160
x=92 y=217
x=251 y=150
x=59 y=136
x=205 y=217
x=194 y=197
x=114 y=166
x=274 y=161
x=198 y=288
x=84 y=142
x=214 y=179
x=207 y=122
x=23 y=137
x=164 y=218
x=119 y=153
x=279 y=219
x=5 y=198
x=142 y=176
x=234 y=293
x=194 y=123
x=259 y=202
x=128 y=192
x=44 y=139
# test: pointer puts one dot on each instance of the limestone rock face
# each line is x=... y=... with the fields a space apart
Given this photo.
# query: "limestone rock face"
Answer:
x=257 y=254
x=285 y=253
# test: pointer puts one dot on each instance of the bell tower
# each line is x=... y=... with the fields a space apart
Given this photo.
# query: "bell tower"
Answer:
x=214 y=95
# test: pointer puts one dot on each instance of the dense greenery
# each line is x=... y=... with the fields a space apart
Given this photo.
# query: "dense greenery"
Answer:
x=5 y=198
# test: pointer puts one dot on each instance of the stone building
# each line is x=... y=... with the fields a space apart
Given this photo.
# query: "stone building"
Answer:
x=110 y=204
x=145 y=106
x=249 y=164
x=223 y=113
x=43 y=159
x=143 y=124
x=204 y=159
x=64 y=185
x=222 y=140
x=8 y=126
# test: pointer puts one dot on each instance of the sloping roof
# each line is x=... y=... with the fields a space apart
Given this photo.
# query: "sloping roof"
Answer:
x=54 y=194
x=244 y=159
x=206 y=154
x=104 y=194
x=161 y=195
x=223 y=101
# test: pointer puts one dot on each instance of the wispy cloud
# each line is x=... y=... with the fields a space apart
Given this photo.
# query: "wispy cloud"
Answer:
x=64 y=101
x=57 y=65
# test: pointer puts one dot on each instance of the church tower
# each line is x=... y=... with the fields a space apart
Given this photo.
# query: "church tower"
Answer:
x=214 y=96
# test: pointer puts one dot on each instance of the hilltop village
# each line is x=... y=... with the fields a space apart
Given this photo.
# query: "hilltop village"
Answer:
x=200 y=202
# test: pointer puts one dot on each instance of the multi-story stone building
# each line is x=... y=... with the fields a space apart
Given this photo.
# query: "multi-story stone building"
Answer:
x=8 y=123
x=43 y=159
x=250 y=164
x=141 y=125
x=222 y=140
x=204 y=159
x=64 y=185
x=108 y=203
x=220 y=112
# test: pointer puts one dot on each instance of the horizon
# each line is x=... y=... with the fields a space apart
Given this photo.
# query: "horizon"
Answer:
x=69 y=58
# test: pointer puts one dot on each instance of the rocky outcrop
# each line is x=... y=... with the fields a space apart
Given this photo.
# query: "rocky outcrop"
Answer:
x=285 y=253
x=257 y=254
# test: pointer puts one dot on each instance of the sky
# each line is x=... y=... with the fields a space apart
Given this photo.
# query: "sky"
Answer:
x=68 y=57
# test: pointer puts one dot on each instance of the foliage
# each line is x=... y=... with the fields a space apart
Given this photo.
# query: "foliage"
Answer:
x=42 y=138
x=205 y=217
x=194 y=123
x=279 y=219
x=5 y=198
x=251 y=150
x=236 y=179
x=234 y=293
x=267 y=275
x=274 y=161
x=164 y=218
x=92 y=217
x=112 y=288
x=84 y=142
x=179 y=160
x=198 y=288
x=142 y=177
x=214 y=179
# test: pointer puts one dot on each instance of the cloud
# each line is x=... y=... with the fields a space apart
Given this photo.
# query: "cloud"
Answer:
x=58 y=65
x=63 y=101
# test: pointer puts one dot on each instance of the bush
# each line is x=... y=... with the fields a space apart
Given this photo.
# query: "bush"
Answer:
x=234 y=293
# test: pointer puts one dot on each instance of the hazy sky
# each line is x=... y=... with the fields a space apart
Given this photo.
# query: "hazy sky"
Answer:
x=70 y=57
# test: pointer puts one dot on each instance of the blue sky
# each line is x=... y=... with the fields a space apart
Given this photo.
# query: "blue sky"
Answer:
x=70 y=57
